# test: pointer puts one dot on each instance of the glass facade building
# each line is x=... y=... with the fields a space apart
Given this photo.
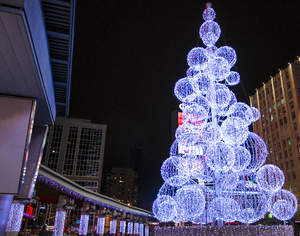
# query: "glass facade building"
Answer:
x=75 y=149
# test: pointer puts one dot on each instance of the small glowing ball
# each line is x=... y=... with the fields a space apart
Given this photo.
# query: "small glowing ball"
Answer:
x=195 y=112
x=218 y=68
x=219 y=156
x=167 y=190
x=229 y=180
x=209 y=14
x=283 y=204
x=186 y=135
x=209 y=32
x=252 y=202
x=234 y=130
x=270 y=178
x=202 y=83
x=211 y=133
x=191 y=72
x=224 y=111
x=219 y=98
x=241 y=110
x=255 y=114
x=258 y=150
x=242 y=158
x=191 y=200
x=190 y=166
x=233 y=78
x=196 y=57
x=228 y=54
x=164 y=209
x=184 y=90
x=201 y=101
x=171 y=174
x=223 y=208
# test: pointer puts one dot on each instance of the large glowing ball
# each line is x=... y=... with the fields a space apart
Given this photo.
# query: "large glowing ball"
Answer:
x=233 y=78
x=196 y=57
x=241 y=110
x=253 y=203
x=195 y=112
x=164 y=209
x=234 y=131
x=219 y=156
x=270 y=178
x=191 y=200
x=255 y=114
x=283 y=204
x=202 y=82
x=229 y=180
x=209 y=14
x=171 y=174
x=191 y=72
x=228 y=54
x=242 y=158
x=219 y=98
x=209 y=32
x=184 y=90
x=218 y=68
x=201 y=101
x=223 y=208
x=258 y=150
x=186 y=135
x=210 y=133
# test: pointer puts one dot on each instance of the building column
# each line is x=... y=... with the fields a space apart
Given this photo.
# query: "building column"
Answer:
x=146 y=230
x=122 y=227
x=84 y=219
x=60 y=216
x=100 y=225
x=130 y=227
x=136 y=228
x=15 y=218
x=141 y=229
x=113 y=226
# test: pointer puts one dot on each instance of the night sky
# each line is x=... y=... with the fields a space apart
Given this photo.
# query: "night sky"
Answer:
x=129 y=54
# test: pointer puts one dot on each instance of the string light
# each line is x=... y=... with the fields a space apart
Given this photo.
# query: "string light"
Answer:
x=101 y=225
x=84 y=224
x=59 y=222
x=136 y=228
x=113 y=226
x=15 y=217
x=130 y=228
x=215 y=170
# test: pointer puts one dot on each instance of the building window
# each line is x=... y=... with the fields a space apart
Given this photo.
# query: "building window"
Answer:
x=293 y=115
x=291 y=105
x=294 y=175
x=289 y=142
x=299 y=148
x=290 y=95
x=292 y=163
x=285 y=154
x=295 y=126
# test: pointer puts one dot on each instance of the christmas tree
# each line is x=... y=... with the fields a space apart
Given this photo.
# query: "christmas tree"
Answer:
x=216 y=169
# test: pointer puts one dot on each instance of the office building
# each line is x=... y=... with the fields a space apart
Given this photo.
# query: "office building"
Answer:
x=121 y=183
x=75 y=149
x=279 y=104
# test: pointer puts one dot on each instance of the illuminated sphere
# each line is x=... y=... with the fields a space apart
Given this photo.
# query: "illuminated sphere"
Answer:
x=242 y=158
x=283 y=204
x=191 y=72
x=229 y=180
x=170 y=173
x=234 y=130
x=186 y=135
x=167 y=190
x=219 y=156
x=202 y=83
x=210 y=51
x=255 y=114
x=228 y=54
x=224 y=110
x=223 y=208
x=211 y=133
x=184 y=90
x=270 y=178
x=233 y=78
x=196 y=57
x=220 y=98
x=219 y=68
x=209 y=14
x=191 y=200
x=195 y=112
x=210 y=32
x=253 y=203
x=164 y=209
x=190 y=166
x=241 y=110
x=201 y=101
x=258 y=150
